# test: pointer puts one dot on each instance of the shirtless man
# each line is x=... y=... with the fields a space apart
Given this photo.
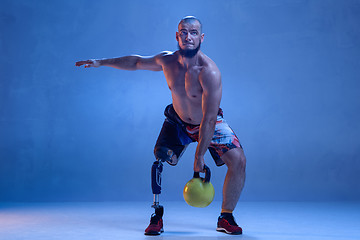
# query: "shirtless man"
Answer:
x=194 y=115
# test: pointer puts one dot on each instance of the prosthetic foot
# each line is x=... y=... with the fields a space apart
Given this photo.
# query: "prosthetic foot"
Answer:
x=156 y=223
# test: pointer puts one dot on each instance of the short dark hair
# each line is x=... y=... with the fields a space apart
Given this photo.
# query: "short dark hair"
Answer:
x=190 y=19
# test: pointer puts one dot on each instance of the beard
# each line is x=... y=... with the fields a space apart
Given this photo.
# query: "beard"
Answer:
x=189 y=53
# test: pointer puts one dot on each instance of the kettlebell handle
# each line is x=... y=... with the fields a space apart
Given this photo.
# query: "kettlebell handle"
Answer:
x=207 y=174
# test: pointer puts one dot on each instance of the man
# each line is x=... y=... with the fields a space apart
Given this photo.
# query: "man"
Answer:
x=194 y=115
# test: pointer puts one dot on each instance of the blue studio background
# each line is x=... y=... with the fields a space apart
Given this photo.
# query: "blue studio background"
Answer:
x=291 y=86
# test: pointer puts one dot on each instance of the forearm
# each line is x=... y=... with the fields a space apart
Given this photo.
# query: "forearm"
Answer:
x=206 y=133
x=123 y=63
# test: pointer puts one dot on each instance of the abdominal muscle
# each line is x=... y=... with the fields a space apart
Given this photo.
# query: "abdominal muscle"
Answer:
x=188 y=110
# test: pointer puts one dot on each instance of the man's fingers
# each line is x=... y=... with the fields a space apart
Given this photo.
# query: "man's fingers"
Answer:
x=199 y=168
x=80 y=63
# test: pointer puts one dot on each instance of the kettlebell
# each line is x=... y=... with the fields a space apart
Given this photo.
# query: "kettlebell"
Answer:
x=199 y=192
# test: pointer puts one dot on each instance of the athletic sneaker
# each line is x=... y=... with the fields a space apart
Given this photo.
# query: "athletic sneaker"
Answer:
x=156 y=225
x=228 y=225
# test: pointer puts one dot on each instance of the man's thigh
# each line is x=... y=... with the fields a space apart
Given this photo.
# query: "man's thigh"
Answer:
x=223 y=141
x=169 y=146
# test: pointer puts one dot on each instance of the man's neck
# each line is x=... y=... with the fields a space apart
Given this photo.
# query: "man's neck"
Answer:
x=189 y=62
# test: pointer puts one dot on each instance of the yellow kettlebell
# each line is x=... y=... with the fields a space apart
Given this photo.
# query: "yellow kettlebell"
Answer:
x=199 y=192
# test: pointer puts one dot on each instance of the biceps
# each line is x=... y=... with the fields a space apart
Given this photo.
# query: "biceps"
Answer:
x=211 y=103
x=148 y=63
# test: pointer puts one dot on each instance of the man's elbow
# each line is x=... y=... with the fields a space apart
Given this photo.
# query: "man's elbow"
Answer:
x=210 y=121
x=136 y=63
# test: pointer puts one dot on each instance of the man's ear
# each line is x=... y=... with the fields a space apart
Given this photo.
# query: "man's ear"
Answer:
x=202 y=37
x=177 y=36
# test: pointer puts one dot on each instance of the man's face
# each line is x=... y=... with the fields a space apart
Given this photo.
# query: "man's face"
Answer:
x=189 y=38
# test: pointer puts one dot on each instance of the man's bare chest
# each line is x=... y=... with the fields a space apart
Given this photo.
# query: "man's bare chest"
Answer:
x=184 y=82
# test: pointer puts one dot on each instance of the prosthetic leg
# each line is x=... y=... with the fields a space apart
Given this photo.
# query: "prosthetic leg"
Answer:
x=162 y=155
x=156 y=222
x=156 y=171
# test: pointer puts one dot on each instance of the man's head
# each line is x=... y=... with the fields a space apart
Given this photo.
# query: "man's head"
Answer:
x=189 y=36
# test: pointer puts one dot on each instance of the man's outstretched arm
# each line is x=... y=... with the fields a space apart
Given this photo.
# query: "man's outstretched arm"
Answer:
x=134 y=62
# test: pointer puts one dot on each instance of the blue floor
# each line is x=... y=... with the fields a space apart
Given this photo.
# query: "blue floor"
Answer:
x=125 y=220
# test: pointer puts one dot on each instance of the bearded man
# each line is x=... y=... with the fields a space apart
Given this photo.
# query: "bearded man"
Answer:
x=194 y=116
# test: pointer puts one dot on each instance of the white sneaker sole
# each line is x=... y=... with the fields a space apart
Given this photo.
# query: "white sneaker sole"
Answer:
x=225 y=231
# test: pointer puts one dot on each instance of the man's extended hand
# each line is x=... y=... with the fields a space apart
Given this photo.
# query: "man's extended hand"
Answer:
x=199 y=164
x=88 y=63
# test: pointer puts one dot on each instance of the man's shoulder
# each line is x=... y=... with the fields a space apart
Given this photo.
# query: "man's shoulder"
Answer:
x=209 y=67
x=210 y=73
x=167 y=56
x=207 y=62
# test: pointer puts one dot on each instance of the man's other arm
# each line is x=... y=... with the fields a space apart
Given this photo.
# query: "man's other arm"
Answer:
x=131 y=63
x=212 y=90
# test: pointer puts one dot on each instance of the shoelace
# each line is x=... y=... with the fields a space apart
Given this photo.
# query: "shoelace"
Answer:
x=231 y=220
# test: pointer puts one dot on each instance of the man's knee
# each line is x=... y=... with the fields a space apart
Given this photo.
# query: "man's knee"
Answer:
x=165 y=154
x=235 y=159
